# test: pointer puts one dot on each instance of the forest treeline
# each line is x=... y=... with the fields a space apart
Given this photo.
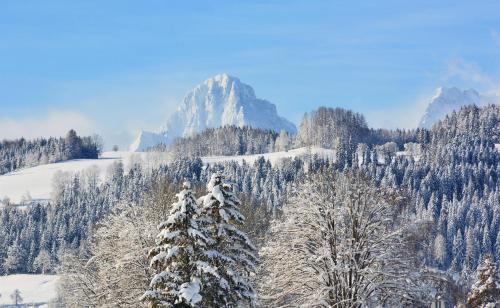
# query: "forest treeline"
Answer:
x=331 y=128
x=22 y=153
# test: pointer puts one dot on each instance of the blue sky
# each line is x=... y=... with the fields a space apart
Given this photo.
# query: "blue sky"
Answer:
x=114 y=67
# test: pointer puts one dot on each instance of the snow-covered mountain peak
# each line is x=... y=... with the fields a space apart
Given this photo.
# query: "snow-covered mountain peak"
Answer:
x=223 y=100
x=204 y=106
x=221 y=80
x=449 y=95
x=446 y=100
x=222 y=84
x=220 y=101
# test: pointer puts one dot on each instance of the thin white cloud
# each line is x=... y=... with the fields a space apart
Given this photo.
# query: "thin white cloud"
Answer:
x=468 y=72
x=55 y=123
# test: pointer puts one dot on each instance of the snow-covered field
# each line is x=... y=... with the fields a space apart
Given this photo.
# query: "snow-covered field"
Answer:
x=34 y=288
x=36 y=183
x=274 y=157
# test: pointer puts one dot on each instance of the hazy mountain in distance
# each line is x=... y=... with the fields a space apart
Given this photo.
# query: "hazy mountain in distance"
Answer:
x=219 y=101
x=446 y=100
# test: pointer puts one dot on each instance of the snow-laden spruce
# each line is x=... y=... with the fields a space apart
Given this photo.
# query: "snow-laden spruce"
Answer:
x=230 y=250
x=201 y=258
x=486 y=290
x=175 y=257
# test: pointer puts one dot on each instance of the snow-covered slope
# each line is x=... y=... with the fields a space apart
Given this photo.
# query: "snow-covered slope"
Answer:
x=34 y=288
x=448 y=99
x=274 y=157
x=219 y=101
x=36 y=182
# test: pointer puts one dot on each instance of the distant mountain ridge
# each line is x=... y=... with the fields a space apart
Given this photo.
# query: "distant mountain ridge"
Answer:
x=219 y=101
x=446 y=100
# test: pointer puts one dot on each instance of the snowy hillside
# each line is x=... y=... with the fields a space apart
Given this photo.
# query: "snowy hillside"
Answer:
x=34 y=288
x=274 y=157
x=448 y=99
x=219 y=101
x=36 y=183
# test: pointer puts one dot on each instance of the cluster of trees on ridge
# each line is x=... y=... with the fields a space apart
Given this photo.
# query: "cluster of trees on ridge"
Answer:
x=21 y=153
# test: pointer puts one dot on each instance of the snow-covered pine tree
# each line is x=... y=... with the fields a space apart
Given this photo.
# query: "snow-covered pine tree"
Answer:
x=439 y=249
x=13 y=261
x=175 y=258
x=231 y=251
x=43 y=261
x=486 y=290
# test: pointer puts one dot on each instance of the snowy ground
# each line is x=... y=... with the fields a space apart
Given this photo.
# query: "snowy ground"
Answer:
x=273 y=157
x=36 y=183
x=34 y=288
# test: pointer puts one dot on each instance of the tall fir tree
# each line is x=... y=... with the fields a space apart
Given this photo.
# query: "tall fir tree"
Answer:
x=176 y=256
x=231 y=251
x=13 y=261
x=486 y=290
x=458 y=252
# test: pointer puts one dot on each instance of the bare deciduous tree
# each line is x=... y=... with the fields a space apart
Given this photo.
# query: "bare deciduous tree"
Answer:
x=115 y=269
x=339 y=244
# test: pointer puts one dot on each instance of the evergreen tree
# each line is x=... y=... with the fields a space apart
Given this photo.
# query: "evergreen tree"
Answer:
x=433 y=207
x=486 y=243
x=175 y=258
x=486 y=290
x=13 y=262
x=440 y=249
x=73 y=145
x=497 y=248
x=283 y=141
x=471 y=251
x=458 y=252
x=43 y=262
x=231 y=251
